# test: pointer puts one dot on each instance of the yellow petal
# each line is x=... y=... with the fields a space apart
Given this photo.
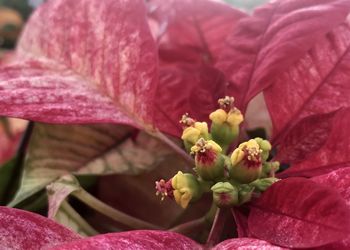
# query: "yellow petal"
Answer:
x=191 y=135
x=215 y=146
x=177 y=196
x=234 y=117
x=202 y=127
x=174 y=180
x=249 y=144
x=219 y=116
x=185 y=199
x=237 y=156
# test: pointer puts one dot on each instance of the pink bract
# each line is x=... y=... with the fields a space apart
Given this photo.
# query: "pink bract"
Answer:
x=85 y=62
x=24 y=230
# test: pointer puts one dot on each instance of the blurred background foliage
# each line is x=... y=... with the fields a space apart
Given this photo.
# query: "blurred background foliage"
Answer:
x=13 y=14
x=247 y=5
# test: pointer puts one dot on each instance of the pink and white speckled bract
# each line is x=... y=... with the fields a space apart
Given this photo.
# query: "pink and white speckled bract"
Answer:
x=87 y=62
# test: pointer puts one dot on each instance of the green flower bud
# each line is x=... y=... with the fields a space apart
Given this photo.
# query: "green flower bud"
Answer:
x=186 y=188
x=245 y=193
x=270 y=168
x=263 y=184
x=265 y=146
x=225 y=126
x=225 y=195
x=246 y=162
x=208 y=160
x=225 y=122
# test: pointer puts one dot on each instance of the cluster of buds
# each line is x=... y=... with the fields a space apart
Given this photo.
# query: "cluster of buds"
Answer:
x=232 y=177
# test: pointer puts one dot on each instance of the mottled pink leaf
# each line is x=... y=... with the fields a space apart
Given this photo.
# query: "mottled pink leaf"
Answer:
x=187 y=88
x=316 y=84
x=305 y=138
x=190 y=35
x=331 y=154
x=299 y=213
x=192 y=30
x=276 y=36
x=339 y=180
x=83 y=62
x=246 y=244
x=142 y=239
x=341 y=245
x=24 y=230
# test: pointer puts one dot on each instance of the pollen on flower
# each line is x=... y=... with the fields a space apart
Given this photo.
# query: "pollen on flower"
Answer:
x=164 y=189
x=203 y=146
x=226 y=103
x=200 y=147
x=252 y=156
x=186 y=121
x=206 y=151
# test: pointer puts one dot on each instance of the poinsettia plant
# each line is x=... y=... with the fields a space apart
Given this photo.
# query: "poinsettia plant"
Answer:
x=104 y=85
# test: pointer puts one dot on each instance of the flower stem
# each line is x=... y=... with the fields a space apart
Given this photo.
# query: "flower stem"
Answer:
x=112 y=213
x=89 y=230
x=192 y=225
x=189 y=226
x=217 y=227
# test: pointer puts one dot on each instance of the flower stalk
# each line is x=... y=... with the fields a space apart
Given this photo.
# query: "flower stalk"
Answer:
x=112 y=213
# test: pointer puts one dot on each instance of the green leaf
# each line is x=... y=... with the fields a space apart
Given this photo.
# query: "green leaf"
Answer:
x=6 y=173
x=60 y=210
x=68 y=217
x=104 y=149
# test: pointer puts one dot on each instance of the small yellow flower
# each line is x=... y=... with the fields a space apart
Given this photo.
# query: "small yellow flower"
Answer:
x=234 y=117
x=202 y=146
x=190 y=134
x=195 y=132
x=219 y=116
x=237 y=156
x=208 y=159
x=186 y=188
x=225 y=122
x=249 y=144
x=246 y=162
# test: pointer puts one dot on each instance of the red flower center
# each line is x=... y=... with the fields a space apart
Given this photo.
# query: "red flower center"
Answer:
x=252 y=157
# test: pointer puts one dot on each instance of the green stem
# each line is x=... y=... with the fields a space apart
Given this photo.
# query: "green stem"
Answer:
x=89 y=230
x=211 y=213
x=192 y=225
x=189 y=226
x=112 y=213
x=217 y=227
